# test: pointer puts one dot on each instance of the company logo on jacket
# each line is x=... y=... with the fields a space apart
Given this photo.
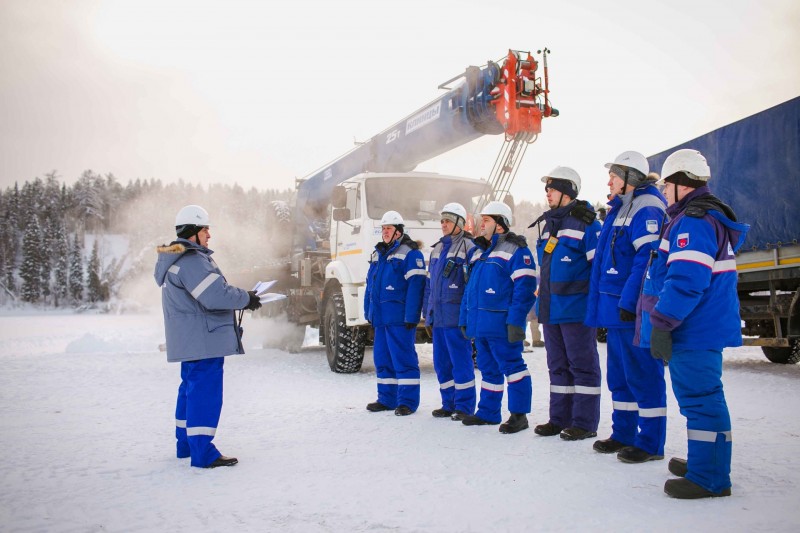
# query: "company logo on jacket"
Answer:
x=566 y=259
x=490 y=291
x=453 y=286
x=652 y=226
x=683 y=240
x=389 y=288
x=526 y=259
x=420 y=263
x=612 y=270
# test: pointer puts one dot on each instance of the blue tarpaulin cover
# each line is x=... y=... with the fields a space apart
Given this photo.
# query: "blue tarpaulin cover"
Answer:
x=755 y=168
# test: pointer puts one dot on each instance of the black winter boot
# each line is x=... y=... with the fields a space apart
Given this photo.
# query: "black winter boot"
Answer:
x=403 y=410
x=376 y=407
x=634 y=455
x=547 y=430
x=475 y=420
x=607 y=446
x=458 y=416
x=577 y=434
x=678 y=467
x=223 y=461
x=683 y=489
x=441 y=413
x=515 y=423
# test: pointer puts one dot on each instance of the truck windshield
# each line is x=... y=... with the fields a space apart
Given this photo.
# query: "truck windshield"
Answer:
x=419 y=198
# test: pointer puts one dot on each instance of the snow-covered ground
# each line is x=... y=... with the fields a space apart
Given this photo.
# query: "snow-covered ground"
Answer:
x=87 y=434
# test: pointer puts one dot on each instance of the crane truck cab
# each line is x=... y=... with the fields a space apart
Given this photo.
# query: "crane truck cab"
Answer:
x=357 y=205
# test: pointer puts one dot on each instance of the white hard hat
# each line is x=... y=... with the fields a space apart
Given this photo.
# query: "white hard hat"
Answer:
x=194 y=215
x=454 y=208
x=392 y=218
x=690 y=162
x=631 y=159
x=499 y=209
x=566 y=174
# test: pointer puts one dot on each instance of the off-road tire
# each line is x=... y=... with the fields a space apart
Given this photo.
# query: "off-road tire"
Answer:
x=344 y=345
x=783 y=356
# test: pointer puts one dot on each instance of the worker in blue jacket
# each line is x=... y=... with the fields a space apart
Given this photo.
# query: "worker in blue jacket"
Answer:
x=392 y=304
x=689 y=312
x=444 y=290
x=499 y=294
x=200 y=325
x=565 y=250
x=636 y=380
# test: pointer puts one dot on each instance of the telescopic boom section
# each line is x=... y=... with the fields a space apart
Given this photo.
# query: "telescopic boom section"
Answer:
x=494 y=99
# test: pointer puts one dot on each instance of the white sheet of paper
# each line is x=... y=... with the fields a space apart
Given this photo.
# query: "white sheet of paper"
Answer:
x=263 y=286
x=271 y=297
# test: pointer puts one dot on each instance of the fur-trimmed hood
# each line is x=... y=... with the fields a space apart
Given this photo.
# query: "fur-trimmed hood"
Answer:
x=174 y=248
x=169 y=253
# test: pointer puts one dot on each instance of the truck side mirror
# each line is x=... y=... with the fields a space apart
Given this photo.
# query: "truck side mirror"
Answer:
x=339 y=197
x=341 y=214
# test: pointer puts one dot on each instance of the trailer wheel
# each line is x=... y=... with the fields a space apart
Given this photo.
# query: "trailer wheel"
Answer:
x=783 y=356
x=344 y=345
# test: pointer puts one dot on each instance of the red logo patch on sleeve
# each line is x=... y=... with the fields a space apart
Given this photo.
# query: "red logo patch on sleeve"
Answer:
x=526 y=259
x=683 y=240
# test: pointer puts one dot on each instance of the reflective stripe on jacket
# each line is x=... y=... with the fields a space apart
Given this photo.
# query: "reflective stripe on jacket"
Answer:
x=395 y=284
x=443 y=294
x=198 y=303
x=629 y=233
x=565 y=272
x=499 y=293
x=690 y=288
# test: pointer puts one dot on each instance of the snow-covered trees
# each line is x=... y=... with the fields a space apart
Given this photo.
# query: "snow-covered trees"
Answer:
x=54 y=237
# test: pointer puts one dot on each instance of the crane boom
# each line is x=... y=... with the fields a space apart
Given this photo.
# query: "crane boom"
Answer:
x=498 y=98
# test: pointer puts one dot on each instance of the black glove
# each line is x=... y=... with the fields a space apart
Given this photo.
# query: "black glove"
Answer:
x=626 y=316
x=410 y=325
x=515 y=333
x=661 y=344
x=463 y=331
x=254 y=303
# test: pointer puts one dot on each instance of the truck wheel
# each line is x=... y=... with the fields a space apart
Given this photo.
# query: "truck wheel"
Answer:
x=343 y=345
x=783 y=356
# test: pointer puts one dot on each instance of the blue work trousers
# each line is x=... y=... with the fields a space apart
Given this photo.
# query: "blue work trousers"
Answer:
x=452 y=361
x=574 y=367
x=498 y=358
x=697 y=384
x=638 y=393
x=197 y=410
x=396 y=366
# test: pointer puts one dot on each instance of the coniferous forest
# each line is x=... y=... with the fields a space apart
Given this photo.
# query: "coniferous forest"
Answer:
x=76 y=245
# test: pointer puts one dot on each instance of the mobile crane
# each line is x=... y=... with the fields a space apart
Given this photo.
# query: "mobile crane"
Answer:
x=336 y=217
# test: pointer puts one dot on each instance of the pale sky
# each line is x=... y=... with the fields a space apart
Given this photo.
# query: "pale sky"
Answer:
x=262 y=92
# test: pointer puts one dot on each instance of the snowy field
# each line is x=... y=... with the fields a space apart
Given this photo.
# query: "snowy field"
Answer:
x=87 y=432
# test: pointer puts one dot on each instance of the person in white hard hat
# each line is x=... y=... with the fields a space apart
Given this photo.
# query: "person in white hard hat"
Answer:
x=565 y=249
x=392 y=304
x=689 y=313
x=444 y=290
x=499 y=294
x=636 y=380
x=201 y=330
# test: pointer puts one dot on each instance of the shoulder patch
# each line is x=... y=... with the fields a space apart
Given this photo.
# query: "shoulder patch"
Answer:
x=526 y=259
x=652 y=226
x=420 y=263
x=683 y=240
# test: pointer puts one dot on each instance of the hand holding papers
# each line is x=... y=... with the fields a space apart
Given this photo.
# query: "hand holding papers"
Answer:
x=261 y=289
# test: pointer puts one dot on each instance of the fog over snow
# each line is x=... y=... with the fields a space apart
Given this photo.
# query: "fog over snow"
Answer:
x=88 y=423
